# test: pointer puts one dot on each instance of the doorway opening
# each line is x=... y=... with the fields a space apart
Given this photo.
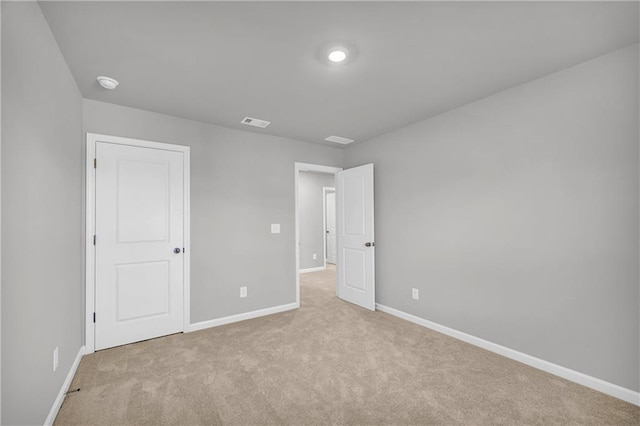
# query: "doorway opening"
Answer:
x=316 y=198
x=315 y=247
x=354 y=232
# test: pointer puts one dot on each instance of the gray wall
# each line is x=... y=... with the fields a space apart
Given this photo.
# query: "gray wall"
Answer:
x=41 y=215
x=310 y=204
x=241 y=182
x=517 y=217
x=0 y=216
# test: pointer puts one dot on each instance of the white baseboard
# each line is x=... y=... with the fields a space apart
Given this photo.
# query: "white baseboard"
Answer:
x=600 y=385
x=63 y=390
x=316 y=269
x=240 y=317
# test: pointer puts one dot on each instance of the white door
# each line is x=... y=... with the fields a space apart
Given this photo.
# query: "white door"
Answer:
x=139 y=243
x=354 y=209
x=330 y=215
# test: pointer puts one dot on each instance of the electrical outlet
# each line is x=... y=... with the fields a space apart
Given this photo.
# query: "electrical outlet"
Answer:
x=55 y=359
x=415 y=293
x=315 y=256
x=275 y=228
x=243 y=292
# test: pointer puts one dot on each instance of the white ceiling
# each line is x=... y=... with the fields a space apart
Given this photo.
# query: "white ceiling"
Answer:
x=218 y=62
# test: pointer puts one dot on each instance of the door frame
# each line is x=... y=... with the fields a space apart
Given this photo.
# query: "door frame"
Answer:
x=305 y=167
x=325 y=191
x=90 y=252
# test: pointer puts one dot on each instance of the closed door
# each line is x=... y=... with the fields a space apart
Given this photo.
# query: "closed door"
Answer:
x=356 y=248
x=330 y=215
x=139 y=243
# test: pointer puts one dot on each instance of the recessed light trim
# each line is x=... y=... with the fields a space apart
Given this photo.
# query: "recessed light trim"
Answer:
x=337 y=55
x=255 y=122
x=339 y=139
x=107 y=82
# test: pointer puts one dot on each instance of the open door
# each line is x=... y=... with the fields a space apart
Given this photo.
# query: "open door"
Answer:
x=330 y=225
x=356 y=248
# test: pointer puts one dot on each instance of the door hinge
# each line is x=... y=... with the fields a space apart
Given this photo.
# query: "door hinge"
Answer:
x=94 y=240
x=94 y=317
x=95 y=163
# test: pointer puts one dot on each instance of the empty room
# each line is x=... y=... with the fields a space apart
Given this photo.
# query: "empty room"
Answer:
x=329 y=212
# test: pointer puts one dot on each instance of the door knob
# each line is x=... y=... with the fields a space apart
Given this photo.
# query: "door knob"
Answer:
x=369 y=244
x=176 y=250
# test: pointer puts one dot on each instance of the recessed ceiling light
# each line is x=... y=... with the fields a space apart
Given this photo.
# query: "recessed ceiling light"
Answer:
x=108 y=82
x=336 y=52
x=339 y=139
x=337 y=55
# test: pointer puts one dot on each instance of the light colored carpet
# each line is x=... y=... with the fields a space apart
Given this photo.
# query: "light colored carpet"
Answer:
x=327 y=362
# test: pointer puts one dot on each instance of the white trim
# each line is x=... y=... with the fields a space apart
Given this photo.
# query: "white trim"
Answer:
x=240 y=317
x=55 y=408
x=304 y=167
x=316 y=269
x=92 y=139
x=600 y=385
x=89 y=339
x=186 y=292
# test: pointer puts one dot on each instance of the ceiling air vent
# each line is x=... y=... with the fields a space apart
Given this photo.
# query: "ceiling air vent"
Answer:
x=255 y=122
x=339 y=139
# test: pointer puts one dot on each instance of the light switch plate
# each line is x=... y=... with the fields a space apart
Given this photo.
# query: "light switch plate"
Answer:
x=275 y=228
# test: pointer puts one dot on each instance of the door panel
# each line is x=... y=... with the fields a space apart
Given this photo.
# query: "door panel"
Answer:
x=139 y=222
x=356 y=259
x=142 y=290
x=354 y=268
x=354 y=213
x=143 y=201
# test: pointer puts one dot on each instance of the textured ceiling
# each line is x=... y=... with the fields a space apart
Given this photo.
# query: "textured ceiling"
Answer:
x=218 y=62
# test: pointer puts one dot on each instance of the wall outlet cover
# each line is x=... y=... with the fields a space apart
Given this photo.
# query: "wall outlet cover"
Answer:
x=415 y=293
x=275 y=228
x=243 y=292
x=315 y=256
